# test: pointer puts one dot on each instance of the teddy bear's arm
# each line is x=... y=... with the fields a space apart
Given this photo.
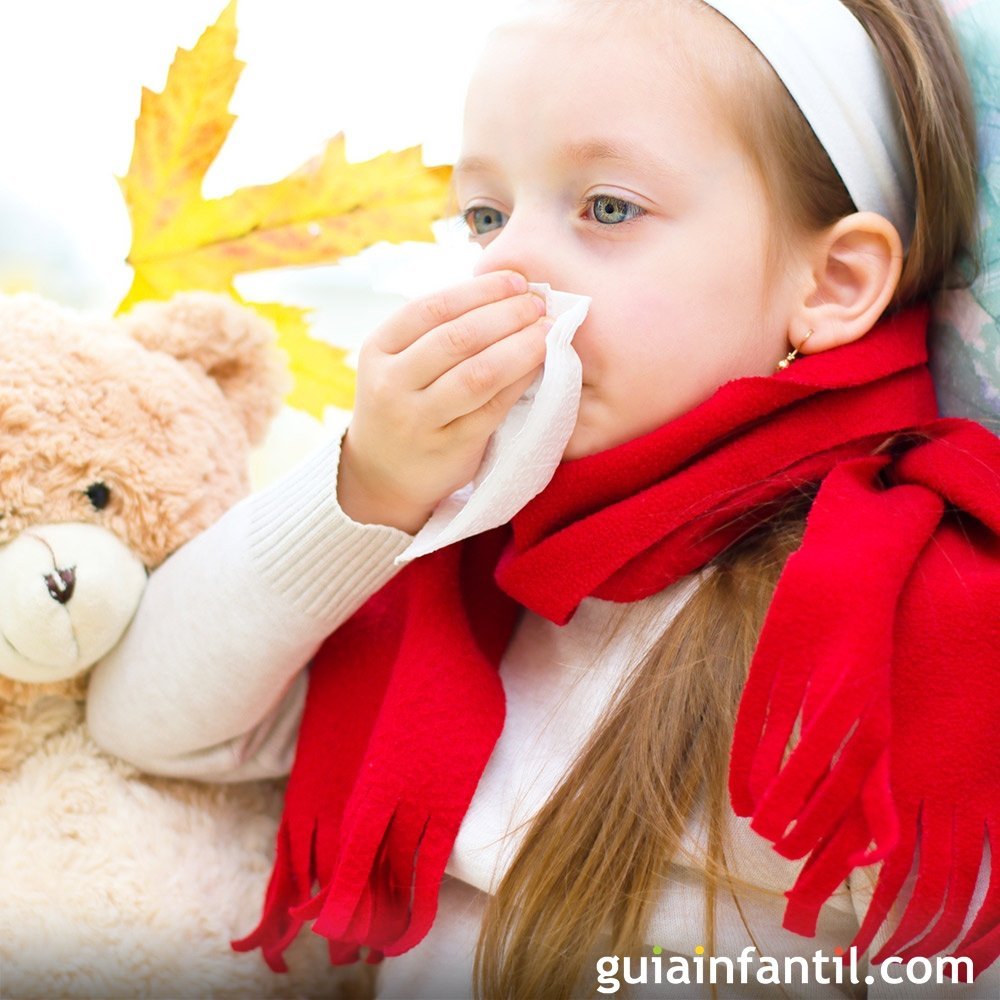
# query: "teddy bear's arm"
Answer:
x=207 y=681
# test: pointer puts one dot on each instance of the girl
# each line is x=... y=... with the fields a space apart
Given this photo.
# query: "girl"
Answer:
x=660 y=701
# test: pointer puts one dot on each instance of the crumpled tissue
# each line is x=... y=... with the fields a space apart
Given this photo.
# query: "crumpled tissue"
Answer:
x=524 y=451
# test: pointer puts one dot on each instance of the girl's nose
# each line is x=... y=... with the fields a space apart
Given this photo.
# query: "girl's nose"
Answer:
x=517 y=247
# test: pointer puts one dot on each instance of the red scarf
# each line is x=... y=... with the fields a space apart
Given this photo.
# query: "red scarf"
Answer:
x=883 y=634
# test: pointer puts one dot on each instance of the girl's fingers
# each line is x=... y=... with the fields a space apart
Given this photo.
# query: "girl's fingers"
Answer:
x=472 y=384
x=416 y=318
x=481 y=423
x=466 y=338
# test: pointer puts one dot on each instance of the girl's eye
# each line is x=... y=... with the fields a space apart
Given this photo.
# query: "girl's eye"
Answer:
x=611 y=211
x=483 y=220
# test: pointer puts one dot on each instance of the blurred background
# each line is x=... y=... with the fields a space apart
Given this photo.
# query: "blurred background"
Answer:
x=388 y=73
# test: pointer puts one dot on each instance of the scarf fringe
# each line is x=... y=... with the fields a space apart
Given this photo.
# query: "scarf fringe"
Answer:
x=277 y=928
x=828 y=793
x=982 y=940
x=811 y=792
x=951 y=850
x=382 y=898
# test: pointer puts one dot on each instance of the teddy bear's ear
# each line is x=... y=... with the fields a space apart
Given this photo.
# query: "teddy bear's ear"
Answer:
x=231 y=343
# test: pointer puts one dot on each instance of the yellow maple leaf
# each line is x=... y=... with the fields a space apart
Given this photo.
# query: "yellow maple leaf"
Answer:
x=325 y=210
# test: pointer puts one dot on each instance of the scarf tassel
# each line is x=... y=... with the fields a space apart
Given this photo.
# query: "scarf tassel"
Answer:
x=288 y=886
x=839 y=753
x=843 y=815
x=829 y=796
x=952 y=838
x=381 y=893
x=380 y=898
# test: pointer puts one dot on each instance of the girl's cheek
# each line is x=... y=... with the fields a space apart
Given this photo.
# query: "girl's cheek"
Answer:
x=586 y=342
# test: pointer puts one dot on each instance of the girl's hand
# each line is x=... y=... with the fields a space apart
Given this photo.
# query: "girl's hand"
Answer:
x=434 y=382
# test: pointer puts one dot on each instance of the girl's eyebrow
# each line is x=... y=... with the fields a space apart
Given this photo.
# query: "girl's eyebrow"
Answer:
x=587 y=151
x=474 y=165
x=622 y=151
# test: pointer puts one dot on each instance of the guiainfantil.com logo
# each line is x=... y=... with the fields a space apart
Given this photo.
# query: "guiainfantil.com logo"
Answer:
x=793 y=970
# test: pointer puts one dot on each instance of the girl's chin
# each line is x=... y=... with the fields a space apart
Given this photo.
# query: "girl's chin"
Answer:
x=580 y=444
x=591 y=433
x=572 y=447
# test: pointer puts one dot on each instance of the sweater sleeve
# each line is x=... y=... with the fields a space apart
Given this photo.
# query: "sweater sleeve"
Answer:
x=208 y=681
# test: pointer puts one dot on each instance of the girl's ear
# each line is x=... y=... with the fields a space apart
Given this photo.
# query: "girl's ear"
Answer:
x=855 y=268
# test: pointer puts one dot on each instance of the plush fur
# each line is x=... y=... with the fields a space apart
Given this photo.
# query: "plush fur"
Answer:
x=115 y=883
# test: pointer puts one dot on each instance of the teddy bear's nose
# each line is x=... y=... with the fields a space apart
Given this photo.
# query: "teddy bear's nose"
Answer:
x=61 y=584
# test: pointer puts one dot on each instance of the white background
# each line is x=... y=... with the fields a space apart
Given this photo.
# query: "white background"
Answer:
x=389 y=74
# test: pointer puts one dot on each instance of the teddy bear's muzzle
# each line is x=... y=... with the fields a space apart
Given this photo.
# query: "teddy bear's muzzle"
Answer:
x=67 y=594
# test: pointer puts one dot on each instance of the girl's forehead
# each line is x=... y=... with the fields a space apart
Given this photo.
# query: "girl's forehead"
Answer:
x=613 y=23
x=560 y=73
x=671 y=43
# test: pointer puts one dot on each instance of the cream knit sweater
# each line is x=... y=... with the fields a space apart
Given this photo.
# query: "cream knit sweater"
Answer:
x=209 y=683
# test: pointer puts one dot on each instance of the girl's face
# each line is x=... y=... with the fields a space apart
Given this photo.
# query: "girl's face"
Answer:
x=591 y=161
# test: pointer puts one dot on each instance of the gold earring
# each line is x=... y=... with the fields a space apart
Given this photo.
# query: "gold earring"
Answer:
x=788 y=359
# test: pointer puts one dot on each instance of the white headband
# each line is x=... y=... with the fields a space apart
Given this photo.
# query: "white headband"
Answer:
x=830 y=66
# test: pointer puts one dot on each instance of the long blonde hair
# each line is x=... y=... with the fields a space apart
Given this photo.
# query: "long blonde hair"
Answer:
x=591 y=865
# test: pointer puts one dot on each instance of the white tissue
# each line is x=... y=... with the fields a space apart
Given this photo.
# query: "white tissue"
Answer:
x=524 y=451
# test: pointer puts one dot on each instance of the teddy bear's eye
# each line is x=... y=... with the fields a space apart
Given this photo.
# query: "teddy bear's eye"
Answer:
x=99 y=495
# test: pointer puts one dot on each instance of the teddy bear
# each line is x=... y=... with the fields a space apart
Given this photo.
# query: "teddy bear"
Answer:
x=119 y=441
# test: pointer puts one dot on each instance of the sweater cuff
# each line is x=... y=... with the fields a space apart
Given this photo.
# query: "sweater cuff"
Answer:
x=306 y=546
